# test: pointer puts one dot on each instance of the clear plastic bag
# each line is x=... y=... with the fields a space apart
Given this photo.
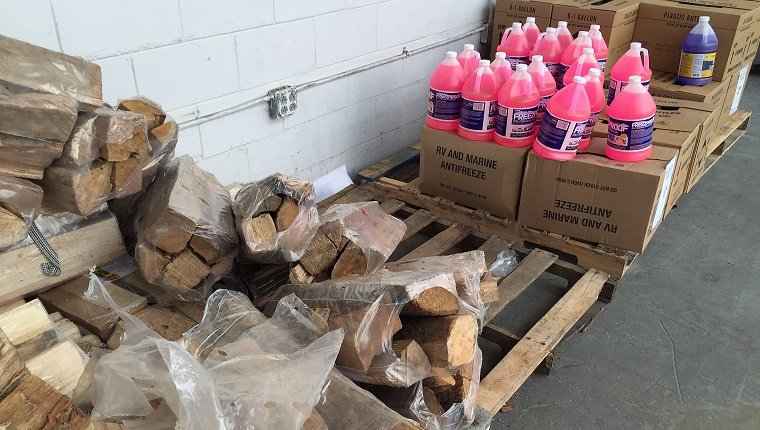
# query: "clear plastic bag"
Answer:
x=352 y=239
x=269 y=376
x=284 y=210
x=186 y=236
x=505 y=263
x=367 y=307
x=19 y=206
x=467 y=267
x=102 y=160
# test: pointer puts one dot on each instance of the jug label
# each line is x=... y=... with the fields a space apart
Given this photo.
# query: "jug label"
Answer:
x=542 y=108
x=590 y=125
x=444 y=105
x=602 y=64
x=514 y=61
x=630 y=135
x=559 y=134
x=478 y=115
x=555 y=70
x=515 y=123
x=562 y=70
x=696 y=66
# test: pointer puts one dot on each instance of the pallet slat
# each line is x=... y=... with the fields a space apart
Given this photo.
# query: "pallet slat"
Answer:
x=441 y=243
x=511 y=372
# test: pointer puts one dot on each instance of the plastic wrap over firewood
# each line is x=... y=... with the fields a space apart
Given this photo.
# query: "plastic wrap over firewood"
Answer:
x=19 y=205
x=101 y=161
x=276 y=219
x=186 y=237
x=235 y=370
x=367 y=308
x=162 y=137
x=353 y=239
x=468 y=269
x=441 y=404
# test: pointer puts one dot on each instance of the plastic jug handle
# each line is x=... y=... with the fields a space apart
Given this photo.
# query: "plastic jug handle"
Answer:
x=538 y=40
x=645 y=51
x=478 y=78
x=504 y=36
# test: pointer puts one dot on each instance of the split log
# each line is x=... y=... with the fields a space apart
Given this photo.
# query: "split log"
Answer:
x=75 y=191
x=314 y=422
x=185 y=201
x=12 y=368
x=24 y=157
x=489 y=289
x=82 y=244
x=20 y=202
x=264 y=230
x=286 y=214
x=127 y=175
x=299 y=275
x=352 y=261
x=365 y=411
x=457 y=392
x=449 y=342
x=322 y=252
x=103 y=425
x=38 y=116
x=61 y=366
x=270 y=204
x=410 y=358
x=12 y=228
x=431 y=402
x=35 y=405
x=64 y=325
x=29 y=68
x=436 y=301
x=168 y=323
x=154 y=115
x=120 y=134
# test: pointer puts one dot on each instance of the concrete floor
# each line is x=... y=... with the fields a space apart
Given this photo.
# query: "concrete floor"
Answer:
x=679 y=346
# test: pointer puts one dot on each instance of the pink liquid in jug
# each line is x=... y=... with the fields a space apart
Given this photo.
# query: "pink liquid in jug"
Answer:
x=548 y=46
x=581 y=66
x=630 y=64
x=502 y=70
x=572 y=52
x=515 y=44
x=564 y=122
x=469 y=58
x=531 y=30
x=544 y=82
x=445 y=97
x=516 y=117
x=631 y=123
x=477 y=119
x=596 y=98
x=599 y=45
x=564 y=35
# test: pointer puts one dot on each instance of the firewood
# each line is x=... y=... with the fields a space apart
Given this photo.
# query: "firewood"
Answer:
x=438 y=381
x=286 y=214
x=448 y=341
x=163 y=141
x=151 y=261
x=127 y=176
x=202 y=247
x=185 y=271
x=12 y=228
x=322 y=252
x=61 y=366
x=29 y=329
x=352 y=261
x=39 y=116
x=65 y=326
x=314 y=422
x=364 y=328
x=24 y=157
x=409 y=353
x=299 y=275
x=79 y=192
x=35 y=405
x=431 y=402
x=29 y=68
x=263 y=231
x=20 y=202
x=168 y=323
x=489 y=288
x=153 y=114
x=434 y=301
x=120 y=134
x=457 y=392
x=103 y=425
x=270 y=204
x=12 y=368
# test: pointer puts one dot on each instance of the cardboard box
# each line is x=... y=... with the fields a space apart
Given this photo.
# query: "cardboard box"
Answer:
x=709 y=133
x=662 y=25
x=617 y=19
x=480 y=175
x=508 y=11
x=735 y=90
x=596 y=199
x=678 y=125
x=663 y=84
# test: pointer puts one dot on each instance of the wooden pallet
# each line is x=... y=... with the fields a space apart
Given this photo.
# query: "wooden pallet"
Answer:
x=728 y=135
x=522 y=353
x=397 y=177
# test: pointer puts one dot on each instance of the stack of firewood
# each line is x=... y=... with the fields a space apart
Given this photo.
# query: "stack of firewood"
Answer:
x=19 y=204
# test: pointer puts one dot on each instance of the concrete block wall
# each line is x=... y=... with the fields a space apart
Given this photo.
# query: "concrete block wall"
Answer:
x=200 y=58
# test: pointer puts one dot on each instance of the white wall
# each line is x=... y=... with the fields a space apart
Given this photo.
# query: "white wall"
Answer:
x=199 y=57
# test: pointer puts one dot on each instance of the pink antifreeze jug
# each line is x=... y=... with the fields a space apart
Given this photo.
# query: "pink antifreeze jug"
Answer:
x=502 y=70
x=515 y=44
x=581 y=66
x=564 y=122
x=564 y=35
x=544 y=82
x=531 y=30
x=631 y=123
x=599 y=45
x=469 y=58
x=516 y=117
x=548 y=46
x=595 y=92
x=572 y=52
x=445 y=97
x=477 y=119
x=630 y=64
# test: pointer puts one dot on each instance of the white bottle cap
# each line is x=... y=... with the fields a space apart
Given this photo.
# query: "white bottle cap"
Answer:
x=551 y=30
x=562 y=24
x=537 y=58
x=451 y=54
x=485 y=63
x=635 y=45
x=530 y=19
x=595 y=27
x=704 y=19
x=516 y=25
x=469 y=46
x=635 y=79
x=502 y=55
x=579 y=79
x=588 y=50
x=583 y=34
x=522 y=67
x=594 y=72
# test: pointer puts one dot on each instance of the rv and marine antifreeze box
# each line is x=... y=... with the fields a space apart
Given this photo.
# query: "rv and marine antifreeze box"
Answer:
x=479 y=175
x=596 y=199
